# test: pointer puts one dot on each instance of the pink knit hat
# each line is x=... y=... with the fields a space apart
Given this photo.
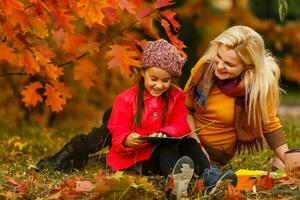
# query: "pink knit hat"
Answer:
x=162 y=54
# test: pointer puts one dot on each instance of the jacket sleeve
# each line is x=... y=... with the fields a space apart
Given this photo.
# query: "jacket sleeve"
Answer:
x=120 y=123
x=176 y=119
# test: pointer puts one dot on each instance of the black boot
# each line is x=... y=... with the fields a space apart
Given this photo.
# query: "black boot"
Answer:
x=64 y=159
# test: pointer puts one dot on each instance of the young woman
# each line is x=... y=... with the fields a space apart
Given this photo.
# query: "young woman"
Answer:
x=236 y=84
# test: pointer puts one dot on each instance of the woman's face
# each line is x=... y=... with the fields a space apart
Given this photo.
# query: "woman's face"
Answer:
x=228 y=64
x=156 y=80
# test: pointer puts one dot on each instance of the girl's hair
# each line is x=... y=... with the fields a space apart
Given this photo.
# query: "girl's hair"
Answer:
x=140 y=103
x=261 y=74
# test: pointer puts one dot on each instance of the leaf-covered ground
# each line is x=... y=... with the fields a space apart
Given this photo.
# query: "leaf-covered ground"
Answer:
x=21 y=148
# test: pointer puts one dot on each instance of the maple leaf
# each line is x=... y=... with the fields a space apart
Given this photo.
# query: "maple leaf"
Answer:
x=170 y=17
x=163 y=3
x=6 y=53
x=85 y=73
x=72 y=42
x=129 y=6
x=38 y=27
x=54 y=98
x=62 y=89
x=90 y=47
x=111 y=15
x=52 y=71
x=30 y=65
x=91 y=11
x=30 y=95
x=264 y=182
x=8 y=29
x=20 y=18
x=122 y=57
x=63 y=19
x=9 y=6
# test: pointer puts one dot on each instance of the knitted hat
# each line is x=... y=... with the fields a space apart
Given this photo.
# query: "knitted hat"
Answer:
x=162 y=54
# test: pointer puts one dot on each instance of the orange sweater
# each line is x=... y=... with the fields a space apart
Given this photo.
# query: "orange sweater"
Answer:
x=221 y=135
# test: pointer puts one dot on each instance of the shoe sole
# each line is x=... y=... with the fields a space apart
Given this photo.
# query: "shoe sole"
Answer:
x=182 y=174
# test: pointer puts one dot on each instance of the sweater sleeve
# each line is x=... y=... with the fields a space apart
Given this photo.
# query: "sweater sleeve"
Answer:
x=120 y=123
x=273 y=129
x=176 y=124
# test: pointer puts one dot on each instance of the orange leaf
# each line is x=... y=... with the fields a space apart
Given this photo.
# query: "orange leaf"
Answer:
x=232 y=194
x=54 y=98
x=72 y=42
x=53 y=71
x=163 y=3
x=62 y=89
x=64 y=20
x=84 y=186
x=122 y=57
x=150 y=29
x=6 y=53
x=85 y=73
x=111 y=15
x=9 y=6
x=8 y=29
x=30 y=95
x=170 y=16
x=30 y=65
x=91 y=11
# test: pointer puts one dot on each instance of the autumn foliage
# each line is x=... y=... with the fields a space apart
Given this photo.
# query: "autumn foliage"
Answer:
x=39 y=39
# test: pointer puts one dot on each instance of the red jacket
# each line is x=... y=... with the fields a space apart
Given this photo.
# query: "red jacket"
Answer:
x=121 y=124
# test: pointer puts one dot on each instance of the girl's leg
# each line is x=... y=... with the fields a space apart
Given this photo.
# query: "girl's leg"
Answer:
x=190 y=147
x=75 y=153
x=162 y=160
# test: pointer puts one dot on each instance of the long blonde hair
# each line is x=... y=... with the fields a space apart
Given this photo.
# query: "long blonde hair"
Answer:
x=261 y=74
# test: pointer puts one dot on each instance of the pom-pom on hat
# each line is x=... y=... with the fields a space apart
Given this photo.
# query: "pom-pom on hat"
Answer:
x=162 y=54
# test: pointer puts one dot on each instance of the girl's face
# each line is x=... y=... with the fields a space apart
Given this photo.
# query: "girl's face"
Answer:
x=228 y=64
x=156 y=80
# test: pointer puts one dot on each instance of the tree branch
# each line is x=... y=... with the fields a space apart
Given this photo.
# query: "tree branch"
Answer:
x=13 y=73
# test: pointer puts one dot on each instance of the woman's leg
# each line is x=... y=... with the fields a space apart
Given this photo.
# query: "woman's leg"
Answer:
x=190 y=147
x=75 y=153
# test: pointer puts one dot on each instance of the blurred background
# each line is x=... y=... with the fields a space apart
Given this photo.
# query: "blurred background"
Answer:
x=201 y=20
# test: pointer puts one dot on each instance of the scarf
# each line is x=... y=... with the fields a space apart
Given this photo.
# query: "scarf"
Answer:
x=249 y=135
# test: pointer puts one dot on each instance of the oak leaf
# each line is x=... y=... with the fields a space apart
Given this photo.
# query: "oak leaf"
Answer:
x=84 y=72
x=91 y=11
x=9 y=6
x=54 y=99
x=30 y=95
x=149 y=28
x=6 y=53
x=170 y=17
x=122 y=57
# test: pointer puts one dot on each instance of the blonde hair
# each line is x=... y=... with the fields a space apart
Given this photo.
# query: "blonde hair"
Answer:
x=261 y=74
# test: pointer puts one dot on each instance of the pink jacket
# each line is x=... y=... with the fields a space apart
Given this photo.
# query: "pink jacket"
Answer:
x=121 y=124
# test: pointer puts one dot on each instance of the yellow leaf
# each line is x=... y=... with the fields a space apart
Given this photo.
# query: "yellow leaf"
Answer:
x=91 y=11
x=122 y=57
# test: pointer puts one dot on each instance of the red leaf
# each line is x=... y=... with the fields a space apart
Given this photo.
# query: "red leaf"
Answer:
x=149 y=28
x=111 y=15
x=163 y=3
x=170 y=16
x=264 y=182
x=20 y=186
x=125 y=4
x=30 y=95
x=63 y=19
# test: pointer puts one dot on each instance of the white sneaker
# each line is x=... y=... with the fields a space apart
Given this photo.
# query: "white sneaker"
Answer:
x=182 y=174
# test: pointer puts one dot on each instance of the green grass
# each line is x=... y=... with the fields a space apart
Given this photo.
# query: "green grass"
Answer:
x=21 y=148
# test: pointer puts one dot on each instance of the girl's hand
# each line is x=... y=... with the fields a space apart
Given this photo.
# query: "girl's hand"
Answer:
x=160 y=134
x=132 y=140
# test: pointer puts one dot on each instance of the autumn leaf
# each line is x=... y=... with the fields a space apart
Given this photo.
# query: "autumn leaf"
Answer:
x=91 y=11
x=54 y=98
x=84 y=72
x=38 y=27
x=111 y=15
x=122 y=57
x=264 y=182
x=52 y=71
x=6 y=53
x=127 y=5
x=28 y=61
x=20 y=186
x=232 y=194
x=8 y=29
x=170 y=17
x=64 y=20
x=163 y=3
x=72 y=42
x=62 y=89
x=9 y=6
x=150 y=28
x=30 y=95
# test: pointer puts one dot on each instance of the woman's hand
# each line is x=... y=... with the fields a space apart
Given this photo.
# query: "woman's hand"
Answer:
x=160 y=134
x=132 y=140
